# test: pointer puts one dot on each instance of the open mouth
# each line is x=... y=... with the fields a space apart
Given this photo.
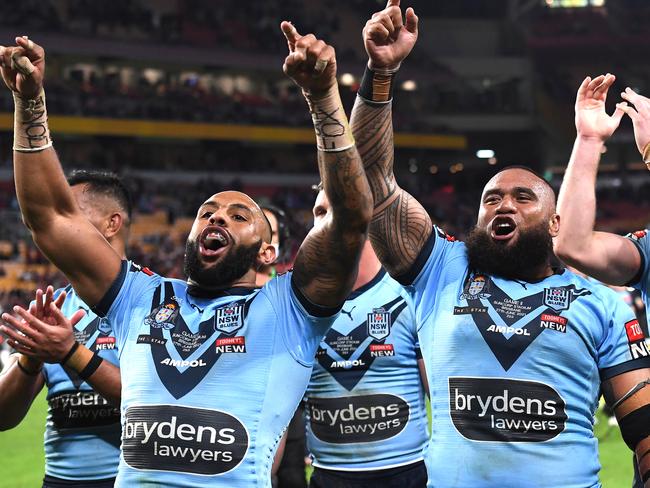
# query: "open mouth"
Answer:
x=503 y=228
x=213 y=241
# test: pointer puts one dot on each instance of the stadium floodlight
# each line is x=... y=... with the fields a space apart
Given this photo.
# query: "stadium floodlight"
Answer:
x=485 y=153
x=409 y=85
x=347 y=79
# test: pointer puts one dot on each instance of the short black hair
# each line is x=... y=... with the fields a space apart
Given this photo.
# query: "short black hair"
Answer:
x=104 y=183
x=283 y=228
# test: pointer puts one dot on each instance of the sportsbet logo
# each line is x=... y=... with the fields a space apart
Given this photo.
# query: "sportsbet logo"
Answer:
x=365 y=418
x=183 y=439
x=505 y=410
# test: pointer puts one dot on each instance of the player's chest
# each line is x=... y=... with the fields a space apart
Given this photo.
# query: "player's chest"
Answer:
x=508 y=323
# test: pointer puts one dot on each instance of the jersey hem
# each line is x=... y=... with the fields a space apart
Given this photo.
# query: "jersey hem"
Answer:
x=373 y=468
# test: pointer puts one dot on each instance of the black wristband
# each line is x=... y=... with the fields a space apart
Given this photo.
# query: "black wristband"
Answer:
x=91 y=367
x=72 y=350
x=377 y=86
x=26 y=371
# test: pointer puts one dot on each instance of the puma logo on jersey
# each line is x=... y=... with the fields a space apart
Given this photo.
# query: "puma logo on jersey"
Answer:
x=349 y=314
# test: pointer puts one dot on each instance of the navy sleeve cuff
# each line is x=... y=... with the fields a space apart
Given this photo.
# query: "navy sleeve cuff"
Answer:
x=409 y=277
x=312 y=308
x=104 y=305
x=639 y=273
x=632 y=365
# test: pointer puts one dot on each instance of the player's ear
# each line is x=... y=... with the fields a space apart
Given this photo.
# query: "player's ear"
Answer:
x=267 y=254
x=554 y=225
x=113 y=224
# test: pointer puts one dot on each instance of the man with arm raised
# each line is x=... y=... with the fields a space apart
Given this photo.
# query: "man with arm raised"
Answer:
x=611 y=258
x=212 y=368
x=516 y=350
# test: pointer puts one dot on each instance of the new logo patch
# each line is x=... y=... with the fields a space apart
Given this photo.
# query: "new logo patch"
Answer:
x=636 y=340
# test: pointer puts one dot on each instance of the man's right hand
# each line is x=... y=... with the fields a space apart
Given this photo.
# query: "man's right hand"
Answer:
x=388 y=40
x=640 y=115
x=23 y=67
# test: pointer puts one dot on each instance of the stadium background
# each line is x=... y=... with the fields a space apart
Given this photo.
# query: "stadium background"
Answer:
x=186 y=97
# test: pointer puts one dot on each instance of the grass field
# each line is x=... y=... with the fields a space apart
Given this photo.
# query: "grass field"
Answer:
x=21 y=453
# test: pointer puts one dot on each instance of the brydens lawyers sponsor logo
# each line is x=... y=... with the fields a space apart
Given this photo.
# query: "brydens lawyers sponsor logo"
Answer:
x=81 y=409
x=183 y=439
x=636 y=340
x=505 y=410
x=365 y=418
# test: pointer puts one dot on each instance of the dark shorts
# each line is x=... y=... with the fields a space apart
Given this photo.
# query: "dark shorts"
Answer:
x=52 y=482
x=409 y=476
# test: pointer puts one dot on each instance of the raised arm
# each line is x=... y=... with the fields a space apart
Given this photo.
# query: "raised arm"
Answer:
x=48 y=206
x=608 y=257
x=326 y=264
x=400 y=225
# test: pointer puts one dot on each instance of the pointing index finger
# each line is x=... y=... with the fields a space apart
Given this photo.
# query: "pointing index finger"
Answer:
x=291 y=33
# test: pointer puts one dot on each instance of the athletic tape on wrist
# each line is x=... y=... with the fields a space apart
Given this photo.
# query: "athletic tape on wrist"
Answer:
x=72 y=350
x=91 y=367
x=377 y=85
x=646 y=155
x=333 y=132
x=26 y=371
x=31 y=130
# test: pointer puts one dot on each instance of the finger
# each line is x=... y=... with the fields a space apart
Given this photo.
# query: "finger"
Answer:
x=377 y=32
x=411 y=21
x=582 y=90
x=60 y=299
x=61 y=319
x=629 y=110
x=21 y=348
x=632 y=96
x=314 y=55
x=325 y=58
x=5 y=52
x=593 y=84
x=38 y=304
x=601 y=90
x=16 y=336
x=76 y=317
x=385 y=19
x=618 y=114
x=26 y=43
x=22 y=64
x=30 y=319
x=291 y=34
x=392 y=3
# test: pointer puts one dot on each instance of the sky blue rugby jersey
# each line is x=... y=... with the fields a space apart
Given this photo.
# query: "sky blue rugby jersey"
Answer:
x=515 y=370
x=208 y=383
x=82 y=433
x=365 y=401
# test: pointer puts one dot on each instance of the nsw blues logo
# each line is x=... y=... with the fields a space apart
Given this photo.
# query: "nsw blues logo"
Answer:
x=163 y=317
x=559 y=298
x=104 y=326
x=229 y=319
x=379 y=324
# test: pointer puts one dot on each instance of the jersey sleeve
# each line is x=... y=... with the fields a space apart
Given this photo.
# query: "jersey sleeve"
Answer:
x=133 y=282
x=303 y=323
x=442 y=258
x=641 y=240
x=623 y=346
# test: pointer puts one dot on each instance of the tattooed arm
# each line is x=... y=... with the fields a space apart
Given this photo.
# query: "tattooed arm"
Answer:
x=326 y=265
x=400 y=225
x=47 y=204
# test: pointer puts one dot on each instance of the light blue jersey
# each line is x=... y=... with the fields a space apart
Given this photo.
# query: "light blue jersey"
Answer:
x=365 y=401
x=515 y=370
x=82 y=434
x=208 y=383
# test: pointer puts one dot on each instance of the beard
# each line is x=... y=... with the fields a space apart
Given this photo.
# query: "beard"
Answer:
x=533 y=248
x=232 y=266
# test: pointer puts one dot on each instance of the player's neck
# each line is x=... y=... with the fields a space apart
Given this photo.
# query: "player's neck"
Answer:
x=369 y=266
x=537 y=273
x=245 y=281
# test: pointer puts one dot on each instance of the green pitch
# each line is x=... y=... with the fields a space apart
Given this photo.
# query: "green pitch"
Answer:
x=21 y=452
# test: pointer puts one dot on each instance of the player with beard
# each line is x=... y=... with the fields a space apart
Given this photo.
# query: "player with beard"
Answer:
x=212 y=368
x=608 y=257
x=516 y=355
